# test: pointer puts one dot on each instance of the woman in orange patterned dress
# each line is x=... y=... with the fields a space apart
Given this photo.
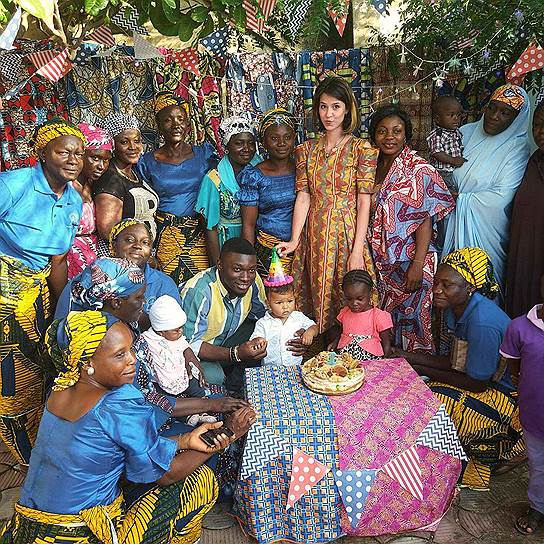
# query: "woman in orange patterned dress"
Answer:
x=334 y=181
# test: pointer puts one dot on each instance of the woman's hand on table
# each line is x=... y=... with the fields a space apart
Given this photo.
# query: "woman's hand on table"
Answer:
x=252 y=350
x=414 y=277
x=286 y=248
x=223 y=405
x=240 y=421
x=192 y=440
x=295 y=345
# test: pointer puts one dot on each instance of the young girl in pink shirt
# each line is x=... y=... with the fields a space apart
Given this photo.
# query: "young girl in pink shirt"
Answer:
x=365 y=331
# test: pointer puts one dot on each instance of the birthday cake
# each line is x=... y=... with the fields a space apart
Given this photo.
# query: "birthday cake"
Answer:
x=331 y=373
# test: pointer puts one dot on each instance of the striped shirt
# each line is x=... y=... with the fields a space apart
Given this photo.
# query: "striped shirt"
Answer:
x=212 y=316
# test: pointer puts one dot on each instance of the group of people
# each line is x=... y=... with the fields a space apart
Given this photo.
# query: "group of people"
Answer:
x=137 y=287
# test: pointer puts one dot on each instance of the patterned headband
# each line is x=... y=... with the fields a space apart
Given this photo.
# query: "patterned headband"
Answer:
x=235 y=125
x=53 y=129
x=166 y=99
x=115 y=123
x=277 y=116
x=118 y=228
x=509 y=94
x=98 y=139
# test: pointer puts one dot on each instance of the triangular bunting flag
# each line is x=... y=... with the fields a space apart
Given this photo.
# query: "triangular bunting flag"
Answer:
x=262 y=445
x=406 y=471
x=143 y=49
x=531 y=59
x=380 y=6
x=440 y=434
x=354 y=487
x=187 y=59
x=305 y=473
x=253 y=22
x=340 y=20
x=10 y=32
x=216 y=42
x=102 y=35
x=10 y=67
x=128 y=20
x=51 y=64
x=296 y=10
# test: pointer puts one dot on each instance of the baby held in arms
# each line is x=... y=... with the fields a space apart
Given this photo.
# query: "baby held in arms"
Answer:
x=176 y=368
x=282 y=322
x=364 y=331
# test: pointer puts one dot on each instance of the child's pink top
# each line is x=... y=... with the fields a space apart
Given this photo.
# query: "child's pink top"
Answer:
x=369 y=323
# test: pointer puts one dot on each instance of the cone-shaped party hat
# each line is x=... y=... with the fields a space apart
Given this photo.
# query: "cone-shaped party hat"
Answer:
x=276 y=275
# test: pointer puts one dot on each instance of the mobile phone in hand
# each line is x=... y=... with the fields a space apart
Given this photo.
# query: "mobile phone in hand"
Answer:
x=208 y=436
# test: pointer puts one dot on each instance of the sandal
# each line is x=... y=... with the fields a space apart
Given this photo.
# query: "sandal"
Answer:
x=530 y=522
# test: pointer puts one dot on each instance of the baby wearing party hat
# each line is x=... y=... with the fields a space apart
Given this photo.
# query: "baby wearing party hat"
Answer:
x=282 y=322
x=176 y=367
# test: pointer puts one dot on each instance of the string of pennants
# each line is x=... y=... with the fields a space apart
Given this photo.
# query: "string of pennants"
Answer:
x=54 y=64
x=354 y=486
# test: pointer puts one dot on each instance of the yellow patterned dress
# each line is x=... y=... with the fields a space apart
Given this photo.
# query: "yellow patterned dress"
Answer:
x=333 y=182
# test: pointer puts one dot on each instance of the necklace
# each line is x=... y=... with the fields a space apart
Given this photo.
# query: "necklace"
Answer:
x=334 y=149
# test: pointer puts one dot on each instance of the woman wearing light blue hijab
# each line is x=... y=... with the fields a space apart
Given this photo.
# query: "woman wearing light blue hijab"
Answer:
x=496 y=153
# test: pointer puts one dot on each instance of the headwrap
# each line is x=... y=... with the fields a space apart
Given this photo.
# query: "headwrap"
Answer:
x=474 y=265
x=72 y=341
x=118 y=228
x=235 y=125
x=106 y=279
x=97 y=138
x=509 y=94
x=55 y=128
x=277 y=116
x=166 y=314
x=115 y=123
x=166 y=99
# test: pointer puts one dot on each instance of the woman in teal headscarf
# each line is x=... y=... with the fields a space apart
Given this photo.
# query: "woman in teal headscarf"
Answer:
x=496 y=153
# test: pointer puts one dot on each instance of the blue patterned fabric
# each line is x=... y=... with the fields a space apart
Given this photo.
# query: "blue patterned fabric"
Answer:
x=306 y=420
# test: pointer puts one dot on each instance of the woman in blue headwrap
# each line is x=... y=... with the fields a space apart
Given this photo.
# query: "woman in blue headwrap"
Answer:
x=496 y=153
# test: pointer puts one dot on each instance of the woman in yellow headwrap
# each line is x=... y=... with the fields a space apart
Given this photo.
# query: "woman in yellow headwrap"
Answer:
x=104 y=429
x=470 y=378
x=175 y=171
x=39 y=216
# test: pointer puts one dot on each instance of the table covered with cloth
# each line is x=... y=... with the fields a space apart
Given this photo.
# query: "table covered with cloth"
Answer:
x=369 y=435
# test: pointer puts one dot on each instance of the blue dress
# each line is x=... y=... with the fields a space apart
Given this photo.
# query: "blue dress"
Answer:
x=77 y=465
x=178 y=184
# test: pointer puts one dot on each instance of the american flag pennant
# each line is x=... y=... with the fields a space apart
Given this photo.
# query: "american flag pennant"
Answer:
x=51 y=64
x=188 y=59
x=339 y=20
x=406 y=471
x=102 y=35
x=10 y=32
x=306 y=472
x=468 y=41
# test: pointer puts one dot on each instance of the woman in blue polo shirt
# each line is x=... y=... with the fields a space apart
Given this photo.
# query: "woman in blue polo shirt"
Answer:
x=175 y=172
x=39 y=216
x=469 y=376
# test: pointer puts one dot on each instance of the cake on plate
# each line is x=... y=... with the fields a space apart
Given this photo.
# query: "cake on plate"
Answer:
x=331 y=373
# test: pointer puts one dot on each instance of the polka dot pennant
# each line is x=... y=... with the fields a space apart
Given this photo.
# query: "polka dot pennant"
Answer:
x=188 y=59
x=305 y=473
x=380 y=6
x=340 y=20
x=216 y=42
x=354 y=487
x=531 y=59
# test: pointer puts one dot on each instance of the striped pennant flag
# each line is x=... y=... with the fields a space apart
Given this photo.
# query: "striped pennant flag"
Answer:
x=102 y=35
x=51 y=64
x=406 y=471
x=253 y=22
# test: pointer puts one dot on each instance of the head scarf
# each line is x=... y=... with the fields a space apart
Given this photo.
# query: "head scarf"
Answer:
x=106 y=279
x=277 y=116
x=235 y=125
x=511 y=95
x=166 y=99
x=72 y=341
x=115 y=123
x=474 y=265
x=118 y=228
x=166 y=314
x=97 y=138
x=55 y=128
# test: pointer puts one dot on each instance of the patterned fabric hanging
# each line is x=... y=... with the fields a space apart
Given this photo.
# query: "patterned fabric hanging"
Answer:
x=351 y=64
x=114 y=84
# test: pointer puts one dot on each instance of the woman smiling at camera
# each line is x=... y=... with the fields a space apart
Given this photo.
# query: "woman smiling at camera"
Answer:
x=103 y=428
